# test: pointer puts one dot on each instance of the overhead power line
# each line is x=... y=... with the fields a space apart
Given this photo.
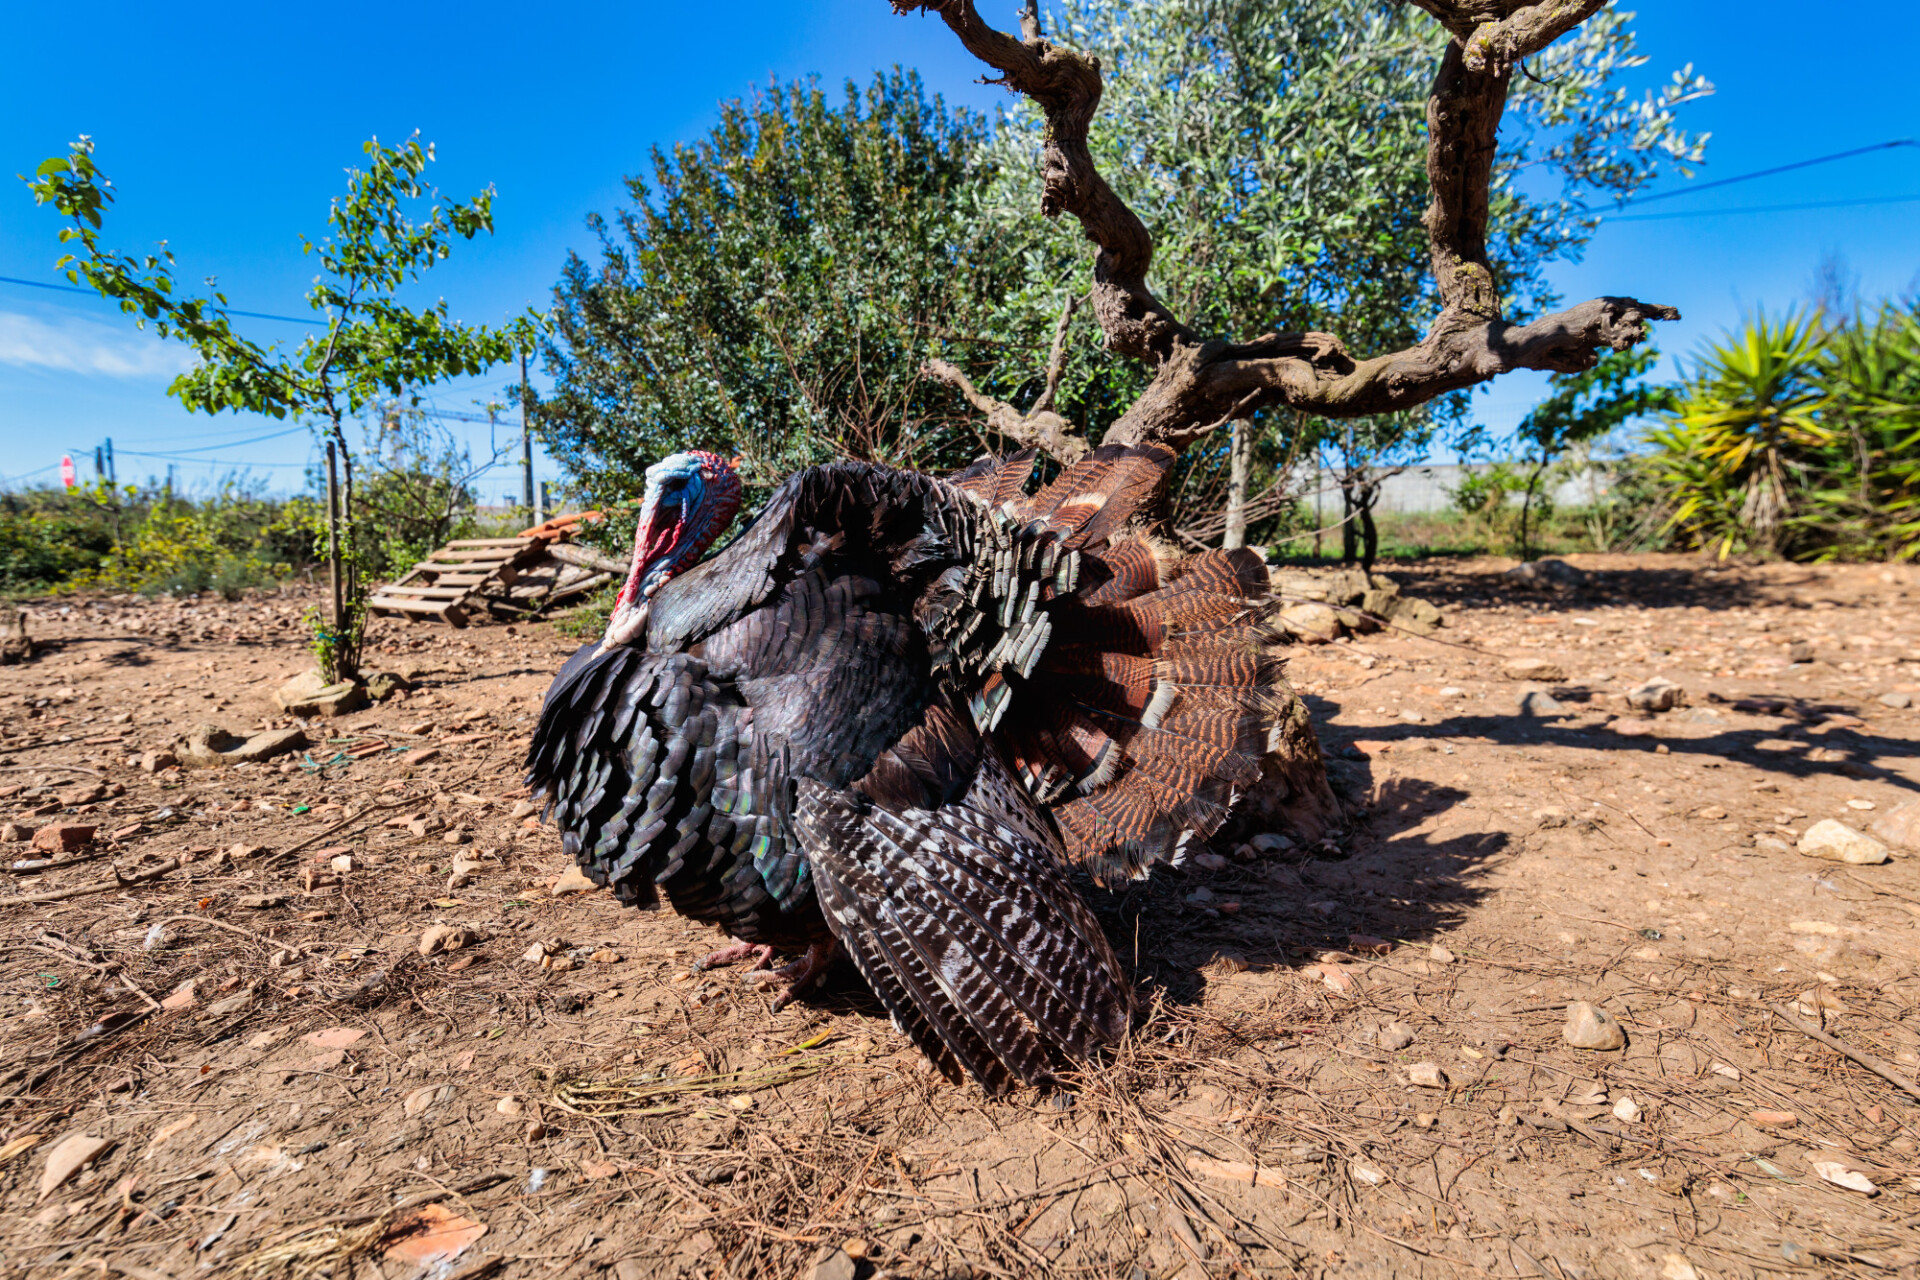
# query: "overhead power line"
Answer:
x=1768 y=173
x=1763 y=208
x=315 y=320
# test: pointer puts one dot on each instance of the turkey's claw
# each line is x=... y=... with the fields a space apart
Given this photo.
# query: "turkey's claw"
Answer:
x=802 y=975
x=733 y=954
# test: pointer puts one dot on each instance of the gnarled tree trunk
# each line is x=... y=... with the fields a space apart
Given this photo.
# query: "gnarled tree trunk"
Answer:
x=1203 y=381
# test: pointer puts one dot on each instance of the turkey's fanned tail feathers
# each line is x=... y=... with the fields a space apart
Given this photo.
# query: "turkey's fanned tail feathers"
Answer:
x=1152 y=706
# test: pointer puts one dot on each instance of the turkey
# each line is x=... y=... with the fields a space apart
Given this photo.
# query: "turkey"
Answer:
x=893 y=714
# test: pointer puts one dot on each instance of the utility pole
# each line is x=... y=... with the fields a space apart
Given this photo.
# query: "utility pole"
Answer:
x=99 y=464
x=526 y=444
x=112 y=478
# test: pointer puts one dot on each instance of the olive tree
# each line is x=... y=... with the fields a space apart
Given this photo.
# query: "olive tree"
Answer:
x=1322 y=220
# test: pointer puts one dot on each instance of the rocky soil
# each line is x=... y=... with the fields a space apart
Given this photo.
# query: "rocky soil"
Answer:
x=342 y=1011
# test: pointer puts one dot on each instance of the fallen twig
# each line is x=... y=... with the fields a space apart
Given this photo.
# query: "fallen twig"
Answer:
x=286 y=945
x=118 y=882
x=1866 y=1060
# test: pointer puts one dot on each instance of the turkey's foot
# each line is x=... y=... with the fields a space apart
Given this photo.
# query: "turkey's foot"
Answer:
x=802 y=975
x=733 y=954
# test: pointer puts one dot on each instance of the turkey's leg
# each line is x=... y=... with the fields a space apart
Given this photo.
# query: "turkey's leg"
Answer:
x=732 y=954
x=802 y=975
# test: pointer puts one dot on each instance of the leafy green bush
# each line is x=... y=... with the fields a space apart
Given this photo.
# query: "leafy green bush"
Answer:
x=1800 y=437
x=48 y=537
x=1490 y=499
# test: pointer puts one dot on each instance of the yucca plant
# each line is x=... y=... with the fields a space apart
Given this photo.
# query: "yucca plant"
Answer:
x=1868 y=503
x=1743 y=446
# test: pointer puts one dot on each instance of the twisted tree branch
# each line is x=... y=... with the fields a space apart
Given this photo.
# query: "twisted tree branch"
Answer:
x=1041 y=429
x=1065 y=85
x=1199 y=381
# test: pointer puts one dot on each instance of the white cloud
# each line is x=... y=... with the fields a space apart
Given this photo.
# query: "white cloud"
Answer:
x=90 y=347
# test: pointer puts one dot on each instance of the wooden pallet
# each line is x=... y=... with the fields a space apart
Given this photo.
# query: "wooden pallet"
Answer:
x=445 y=585
x=509 y=577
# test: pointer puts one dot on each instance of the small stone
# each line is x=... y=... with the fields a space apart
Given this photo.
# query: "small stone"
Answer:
x=1269 y=842
x=1539 y=704
x=265 y=746
x=420 y=755
x=1541 y=669
x=155 y=761
x=1773 y=1119
x=834 y=1265
x=574 y=880
x=1712 y=813
x=1439 y=954
x=855 y=1248
x=1411 y=716
x=1627 y=1111
x=1427 y=1075
x=14 y=833
x=263 y=901
x=74 y=797
x=1657 y=694
x=536 y=1131
x=535 y=953
x=442 y=937
x=1837 y=842
x=1898 y=701
x=382 y=685
x=1200 y=897
x=1209 y=861
x=1592 y=1028
x=342 y=862
x=1395 y=1036
x=181 y=997
x=605 y=956
x=523 y=809
x=1723 y=1069
x=509 y=1106
x=1424 y=1120
x=65 y=837
x=1862 y=806
x=1335 y=976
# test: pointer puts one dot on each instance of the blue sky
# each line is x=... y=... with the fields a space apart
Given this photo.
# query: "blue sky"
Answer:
x=226 y=131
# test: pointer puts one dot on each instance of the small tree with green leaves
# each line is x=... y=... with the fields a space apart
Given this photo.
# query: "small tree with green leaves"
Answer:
x=1584 y=406
x=371 y=346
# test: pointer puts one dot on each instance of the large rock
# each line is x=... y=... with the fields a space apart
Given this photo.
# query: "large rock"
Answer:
x=209 y=746
x=1838 y=842
x=309 y=694
x=1542 y=669
x=1589 y=1027
x=1900 y=826
x=1422 y=617
x=1550 y=575
x=1657 y=694
x=1311 y=622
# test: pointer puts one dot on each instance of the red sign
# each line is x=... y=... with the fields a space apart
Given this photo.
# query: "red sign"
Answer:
x=67 y=474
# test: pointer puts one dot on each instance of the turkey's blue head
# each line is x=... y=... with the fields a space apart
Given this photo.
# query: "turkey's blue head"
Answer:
x=690 y=498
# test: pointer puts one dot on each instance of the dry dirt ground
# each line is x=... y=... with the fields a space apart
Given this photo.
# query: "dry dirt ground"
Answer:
x=244 y=1065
